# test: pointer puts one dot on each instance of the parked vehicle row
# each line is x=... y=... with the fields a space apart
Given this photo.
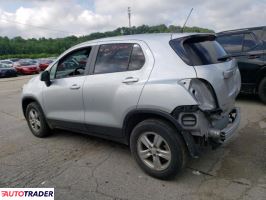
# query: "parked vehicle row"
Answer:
x=24 y=66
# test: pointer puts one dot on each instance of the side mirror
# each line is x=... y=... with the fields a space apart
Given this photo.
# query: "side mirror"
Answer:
x=45 y=76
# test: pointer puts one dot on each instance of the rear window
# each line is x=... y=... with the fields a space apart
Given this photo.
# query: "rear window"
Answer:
x=202 y=50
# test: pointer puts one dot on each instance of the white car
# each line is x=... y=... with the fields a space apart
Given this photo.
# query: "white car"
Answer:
x=8 y=63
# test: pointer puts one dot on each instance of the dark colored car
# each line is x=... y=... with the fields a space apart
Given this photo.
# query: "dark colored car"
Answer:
x=27 y=67
x=44 y=63
x=248 y=46
x=7 y=71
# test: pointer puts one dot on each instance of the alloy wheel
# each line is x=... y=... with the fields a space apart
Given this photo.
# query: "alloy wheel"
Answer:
x=34 y=119
x=154 y=151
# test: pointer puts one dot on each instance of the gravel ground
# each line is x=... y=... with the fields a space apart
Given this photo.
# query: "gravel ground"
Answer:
x=84 y=167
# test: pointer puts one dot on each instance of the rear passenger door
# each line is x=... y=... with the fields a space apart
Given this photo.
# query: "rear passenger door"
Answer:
x=114 y=85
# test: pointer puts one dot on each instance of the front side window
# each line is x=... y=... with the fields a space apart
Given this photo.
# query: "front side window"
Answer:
x=249 y=42
x=118 y=58
x=73 y=64
x=231 y=43
x=263 y=35
x=53 y=71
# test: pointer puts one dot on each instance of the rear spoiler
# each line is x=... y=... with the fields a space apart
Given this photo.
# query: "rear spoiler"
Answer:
x=192 y=36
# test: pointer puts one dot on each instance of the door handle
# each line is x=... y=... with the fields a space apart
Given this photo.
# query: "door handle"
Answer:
x=130 y=80
x=74 y=87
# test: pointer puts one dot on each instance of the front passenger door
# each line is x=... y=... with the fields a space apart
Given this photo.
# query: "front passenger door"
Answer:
x=63 y=104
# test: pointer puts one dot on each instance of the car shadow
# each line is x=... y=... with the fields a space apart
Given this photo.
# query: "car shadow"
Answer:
x=249 y=98
x=82 y=137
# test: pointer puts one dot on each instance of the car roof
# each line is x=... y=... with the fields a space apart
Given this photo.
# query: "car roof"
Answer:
x=241 y=30
x=148 y=37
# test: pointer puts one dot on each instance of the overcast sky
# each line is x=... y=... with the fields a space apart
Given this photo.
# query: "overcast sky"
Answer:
x=59 y=18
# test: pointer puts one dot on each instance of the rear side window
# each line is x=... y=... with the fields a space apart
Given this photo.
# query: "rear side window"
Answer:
x=231 y=43
x=137 y=58
x=199 y=50
x=118 y=58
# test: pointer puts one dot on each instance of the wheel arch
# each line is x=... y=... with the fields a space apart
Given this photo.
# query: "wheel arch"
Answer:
x=26 y=101
x=138 y=115
x=260 y=76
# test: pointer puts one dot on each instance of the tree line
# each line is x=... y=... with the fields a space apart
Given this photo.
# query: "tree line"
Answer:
x=47 y=47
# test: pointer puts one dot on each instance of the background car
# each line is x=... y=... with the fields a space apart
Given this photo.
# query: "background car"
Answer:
x=27 y=67
x=9 y=63
x=248 y=46
x=7 y=71
x=44 y=63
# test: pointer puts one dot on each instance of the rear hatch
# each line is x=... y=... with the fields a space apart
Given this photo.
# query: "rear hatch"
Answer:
x=202 y=51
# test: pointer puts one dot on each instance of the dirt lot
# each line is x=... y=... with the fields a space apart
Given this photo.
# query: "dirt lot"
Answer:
x=84 y=167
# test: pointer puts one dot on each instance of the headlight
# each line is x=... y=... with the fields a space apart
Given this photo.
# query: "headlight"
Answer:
x=201 y=92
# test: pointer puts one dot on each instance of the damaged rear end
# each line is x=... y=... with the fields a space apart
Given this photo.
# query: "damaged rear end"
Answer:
x=215 y=119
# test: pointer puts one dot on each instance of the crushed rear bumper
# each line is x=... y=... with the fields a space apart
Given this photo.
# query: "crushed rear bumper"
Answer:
x=218 y=126
x=222 y=135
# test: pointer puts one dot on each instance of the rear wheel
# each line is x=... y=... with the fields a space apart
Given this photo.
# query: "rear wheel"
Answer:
x=158 y=148
x=36 y=120
x=262 y=90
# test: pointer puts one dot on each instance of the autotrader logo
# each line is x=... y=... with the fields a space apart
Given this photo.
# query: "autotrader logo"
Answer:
x=27 y=193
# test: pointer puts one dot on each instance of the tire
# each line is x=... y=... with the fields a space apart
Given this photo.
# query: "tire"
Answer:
x=170 y=142
x=36 y=120
x=262 y=90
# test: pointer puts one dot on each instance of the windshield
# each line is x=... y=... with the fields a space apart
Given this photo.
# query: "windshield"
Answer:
x=201 y=50
x=27 y=63
x=4 y=66
x=6 y=62
x=45 y=61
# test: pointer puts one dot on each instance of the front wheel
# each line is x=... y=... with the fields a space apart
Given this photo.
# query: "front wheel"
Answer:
x=262 y=90
x=36 y=120
x=158 y=148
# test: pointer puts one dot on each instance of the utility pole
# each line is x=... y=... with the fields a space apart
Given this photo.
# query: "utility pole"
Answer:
x=129 y=18
x=182 y=30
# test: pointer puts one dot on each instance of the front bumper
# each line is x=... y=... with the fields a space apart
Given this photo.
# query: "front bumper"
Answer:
x=218 y=127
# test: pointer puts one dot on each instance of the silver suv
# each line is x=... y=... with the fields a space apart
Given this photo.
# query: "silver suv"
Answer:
x=165 y=95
